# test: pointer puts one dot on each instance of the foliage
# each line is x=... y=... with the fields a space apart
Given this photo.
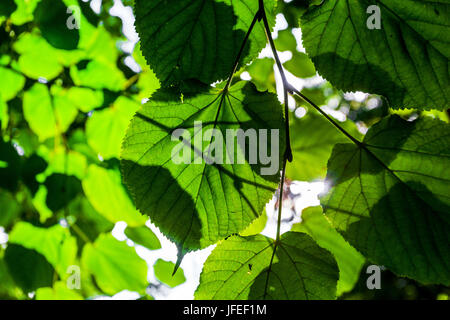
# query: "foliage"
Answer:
x=87 y=144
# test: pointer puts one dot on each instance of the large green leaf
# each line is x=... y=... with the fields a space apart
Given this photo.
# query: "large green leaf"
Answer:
x=54 y=243
x=197 y=39
x=348 y=259
x=197 y=204
x=58 y=292
x=241 y=268
x=115 y=265
x=108 y=196
x=390 y=197
x=406 y=60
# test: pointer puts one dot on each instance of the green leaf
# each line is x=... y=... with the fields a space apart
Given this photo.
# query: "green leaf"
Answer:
x=198 y=39
x=390 y=197
x=98 y=75
x=54 y=243
x=58 y=292
x=29 y=269
x=256 y=227
x=313 y=138
x=62 y=189
x=144 y=237
x=38 y=111
x=196 y=205
x=52 y=18
x=240 y=268
x=350 y=261
x=105 y=129
x=164 y=270
x=300 y=65
x=85 y=99
x=105 y=192
x=115 y=265
x=263 y=77
x=406 y=60
x=12 y=83
x=286 y=41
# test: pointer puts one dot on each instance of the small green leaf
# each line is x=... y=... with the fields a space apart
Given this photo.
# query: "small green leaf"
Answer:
x=105 y=129
x=164 y=273
x=108 y=196
x=54 y=243
x=300 y=65
x=389 y=197
x=241 y=268
x=12 y=83
x=144 y=237
x=115 y=265
x=348 y=259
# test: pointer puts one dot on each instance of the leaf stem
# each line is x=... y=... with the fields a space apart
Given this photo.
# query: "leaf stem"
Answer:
x=339 y=127
x=286 y=85
x=241 y=50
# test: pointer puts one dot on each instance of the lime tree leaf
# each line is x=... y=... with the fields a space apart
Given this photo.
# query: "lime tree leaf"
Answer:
x=58 y=292
x=406 y=60
x=286 y=41
x=197 y=204
x=144 y=237
x=12 y=83
x=390 y=197
x=164 y=270
x=313 y=138
x=24 y=11
x=198 y=39
x=108 y=196
x=52 y=19
x=300 y=65
x=240 y=268
x=29 y=269
x=348 y=259
x=105 y=129
x=38 y=111
x=85 y=99
x=263 y=77
x=115 y=265
x=98 y=75
x=4 y=115
x=54 y=243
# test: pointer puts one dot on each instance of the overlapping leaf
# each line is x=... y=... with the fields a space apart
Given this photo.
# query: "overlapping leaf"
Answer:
x=241 y=268
x=197 y=39
x=390 y=197
x=198 y=204
x=405 y=60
